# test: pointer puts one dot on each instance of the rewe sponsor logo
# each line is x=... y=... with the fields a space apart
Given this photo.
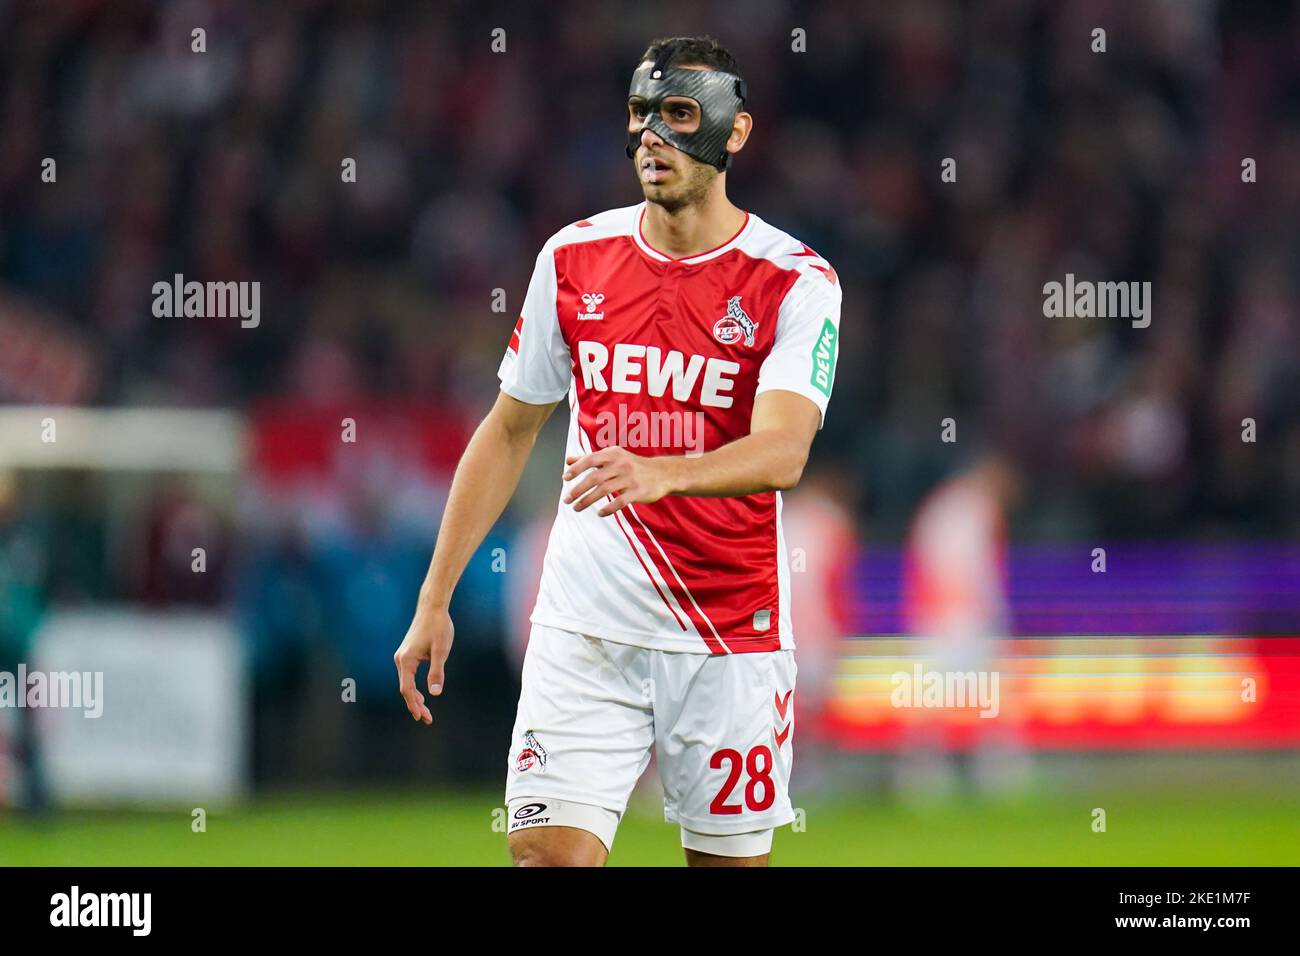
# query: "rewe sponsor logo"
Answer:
x=933 y=689
x=1101 y=300
x=637 y=368
x=64 y=689
x=75 y=908
x=208 y=300
x=637 y=429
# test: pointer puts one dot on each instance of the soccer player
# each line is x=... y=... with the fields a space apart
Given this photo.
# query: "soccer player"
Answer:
x=696 y=345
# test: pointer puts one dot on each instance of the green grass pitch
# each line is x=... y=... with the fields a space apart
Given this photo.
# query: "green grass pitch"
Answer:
x=457 y=828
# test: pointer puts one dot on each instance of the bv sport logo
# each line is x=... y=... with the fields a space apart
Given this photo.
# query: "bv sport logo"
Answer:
x=529 y=815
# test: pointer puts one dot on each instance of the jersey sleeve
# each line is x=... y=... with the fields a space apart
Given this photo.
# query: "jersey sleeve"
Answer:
x=807 y=339
x=537 y=366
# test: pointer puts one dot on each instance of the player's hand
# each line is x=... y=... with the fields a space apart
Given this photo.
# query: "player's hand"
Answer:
x=629 y=478
x=427 y=639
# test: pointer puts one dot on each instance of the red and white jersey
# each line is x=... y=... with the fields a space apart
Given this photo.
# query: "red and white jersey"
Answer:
x=666 y=356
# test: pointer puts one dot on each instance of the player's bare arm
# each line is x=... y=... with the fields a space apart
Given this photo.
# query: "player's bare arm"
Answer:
x=770 y=458
x=485 y=479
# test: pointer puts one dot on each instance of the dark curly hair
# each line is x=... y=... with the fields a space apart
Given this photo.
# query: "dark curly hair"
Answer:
x=692 y=51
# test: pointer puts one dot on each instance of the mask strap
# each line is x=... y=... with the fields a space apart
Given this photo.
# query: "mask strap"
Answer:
x=661 y=63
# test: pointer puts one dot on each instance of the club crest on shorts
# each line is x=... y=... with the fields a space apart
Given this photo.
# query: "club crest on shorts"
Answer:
x=532 y=755
x=735 y=324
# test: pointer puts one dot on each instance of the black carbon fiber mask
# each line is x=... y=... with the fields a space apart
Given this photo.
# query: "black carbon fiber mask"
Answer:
x=720 y=95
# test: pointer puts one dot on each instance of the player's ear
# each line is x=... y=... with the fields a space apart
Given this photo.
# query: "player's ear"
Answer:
x=740 y=128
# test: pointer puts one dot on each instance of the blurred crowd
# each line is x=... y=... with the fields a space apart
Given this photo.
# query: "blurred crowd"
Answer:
x=1123 y=165
x=478 y=130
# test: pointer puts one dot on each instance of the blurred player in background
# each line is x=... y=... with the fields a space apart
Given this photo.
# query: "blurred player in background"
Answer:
x=824 y=549
x=955 y=603
x=704 y=338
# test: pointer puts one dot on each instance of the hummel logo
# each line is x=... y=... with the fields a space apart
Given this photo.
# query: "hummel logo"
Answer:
x=782 y=703
x=591 y=300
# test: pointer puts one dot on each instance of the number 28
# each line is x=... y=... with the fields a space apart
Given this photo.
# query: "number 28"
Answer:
x=758 y=765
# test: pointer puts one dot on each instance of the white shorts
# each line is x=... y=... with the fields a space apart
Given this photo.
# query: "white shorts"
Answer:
x=590 y=710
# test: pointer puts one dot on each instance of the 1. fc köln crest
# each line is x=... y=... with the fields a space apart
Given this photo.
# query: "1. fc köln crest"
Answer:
x=735 y=324
x=532 y=755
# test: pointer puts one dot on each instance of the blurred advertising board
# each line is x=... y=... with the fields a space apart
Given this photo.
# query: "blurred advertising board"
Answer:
x=154 y=709
x=1173 y=645
x=1091 y=693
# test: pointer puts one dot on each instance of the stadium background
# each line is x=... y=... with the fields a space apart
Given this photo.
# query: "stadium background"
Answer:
x=380 y=304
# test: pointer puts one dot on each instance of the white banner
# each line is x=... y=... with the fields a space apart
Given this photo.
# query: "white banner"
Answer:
x=171 y=699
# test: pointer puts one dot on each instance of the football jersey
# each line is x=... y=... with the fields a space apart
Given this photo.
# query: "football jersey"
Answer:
x=664 y=355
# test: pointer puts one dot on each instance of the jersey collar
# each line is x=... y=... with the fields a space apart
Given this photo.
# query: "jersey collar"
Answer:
x=713 y=253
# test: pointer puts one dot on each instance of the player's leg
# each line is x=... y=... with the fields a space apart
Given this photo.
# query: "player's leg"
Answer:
x=561 y=845
x=696 y=858
x=582 y=737
x=748 y=850
x=724 y=735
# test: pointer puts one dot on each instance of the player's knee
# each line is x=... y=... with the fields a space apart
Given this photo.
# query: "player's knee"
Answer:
x=529 y=850
x=731 y=849
x=556 y=846
x=696 y=858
